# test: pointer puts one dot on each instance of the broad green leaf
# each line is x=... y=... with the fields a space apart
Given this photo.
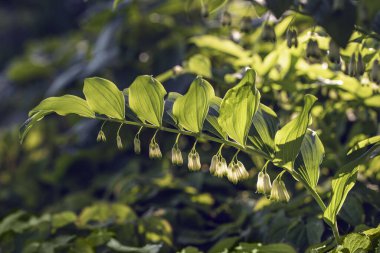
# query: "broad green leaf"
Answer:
x=191 y=109
x=224 y=245
x=343 y=182
x=354 y=242
x=311 y=156
x=200 y=65
x=263 y=130
x=238 y=107
x=288 y=139
x=104 y=97
x=314 y=230
x=146 y=99
x=117 y=246
x=214 y=5
x=190 y=249
x=373 y=101
x=218 y=44
x=67 y=104
x=64 y=105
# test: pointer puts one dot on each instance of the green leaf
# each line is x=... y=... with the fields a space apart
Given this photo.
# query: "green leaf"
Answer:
x=64 y=105
x=62 y=219
x=238 y=107
x=191 y=109
x=289 y=139
x=343 y=182
x=214 y=5
x=190 y=250
x=117 y=246
x=263 y=130
x=221 y=45
x=314 y=230
x=8 y=223
x=200 y=65
x=115 y=4
x=224 y=245
x=270 y=248
x=311 y=156
x=364 y=143
x=355 y=241
x=146 y=99
x=104 y=97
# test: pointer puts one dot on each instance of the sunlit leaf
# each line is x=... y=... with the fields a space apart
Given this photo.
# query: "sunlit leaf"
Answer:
x=146 y=99
x=64 y=105
x=263 y=130
x=289 y=138
x=364 y=143
x=211 y=124
x=311 y=156
x=62 y=219
x=355 y=242
x=343 y=182
x=200 y=65
x=191 y=109
x=104 y=97
x=238 y=107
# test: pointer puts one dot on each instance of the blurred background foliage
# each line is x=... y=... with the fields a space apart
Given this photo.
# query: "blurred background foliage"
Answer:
x=61 y=191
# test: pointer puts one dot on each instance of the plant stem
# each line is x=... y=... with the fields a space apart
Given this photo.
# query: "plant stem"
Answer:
x=247 y=149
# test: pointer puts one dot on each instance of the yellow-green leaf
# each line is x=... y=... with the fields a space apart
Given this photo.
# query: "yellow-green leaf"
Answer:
x=288 y=139
x=104 y=97
x=308 y=160
x=191 y=109
x=200 y=65
x=146 y=99
x=238 y=107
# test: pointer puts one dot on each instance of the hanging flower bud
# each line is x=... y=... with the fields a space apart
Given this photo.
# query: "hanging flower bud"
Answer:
x=194 y=161
x=157 y=151
x=334 y=54
x=137 y=145
x=214 y=161
x=295 y=38
x=351 y=70
x=360 y=67
x=375 y=72
x=236 y=172
x=264 y=185
x=119 y=143
x=313 y=52
x=291 y=37
x=101 y=136
x=268 y=34
x=279 y=191
x=152 y=150
x=177 y=156
x=226 y=19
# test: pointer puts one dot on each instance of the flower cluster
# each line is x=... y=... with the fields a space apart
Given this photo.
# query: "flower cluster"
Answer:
x=279 y=191
x=275 y=192
x=236 y=171
x=218 y=166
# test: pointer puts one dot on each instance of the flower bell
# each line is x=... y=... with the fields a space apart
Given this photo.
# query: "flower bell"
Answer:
x=236 y=172
x=137 y=145
x=177 y=156
x=313 y=52
x=264 y=185
x=101 y=136
x=119 y=142
x=218 y=166
x=194 y=161
x=292 y=37
x=279 y=191
x=154 y=150
x=351 y=70
x=360 y=66
x=268 y=34
x=334 y=54
x=375 y=72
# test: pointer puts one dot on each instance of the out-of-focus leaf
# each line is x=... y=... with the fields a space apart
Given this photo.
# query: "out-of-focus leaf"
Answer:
x=8 y=222
x=221 y=45
x=224 y=245
x=190 y=250
x=364 y=143
x=270 y=248
x=311 y=156
x=191 y=109
x=373 y=101
x=343 y=182
x=214 y=5
x=200 y=65
x=62 y=219
x=238 y=107
x=289 y=139
x=104 y=97
x=263 y=130
x=146 y=99
x=355 y=242
x=117 y=246
x=314 y=230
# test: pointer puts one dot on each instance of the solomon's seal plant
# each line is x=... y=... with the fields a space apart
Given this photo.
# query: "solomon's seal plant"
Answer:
x=238 y=120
